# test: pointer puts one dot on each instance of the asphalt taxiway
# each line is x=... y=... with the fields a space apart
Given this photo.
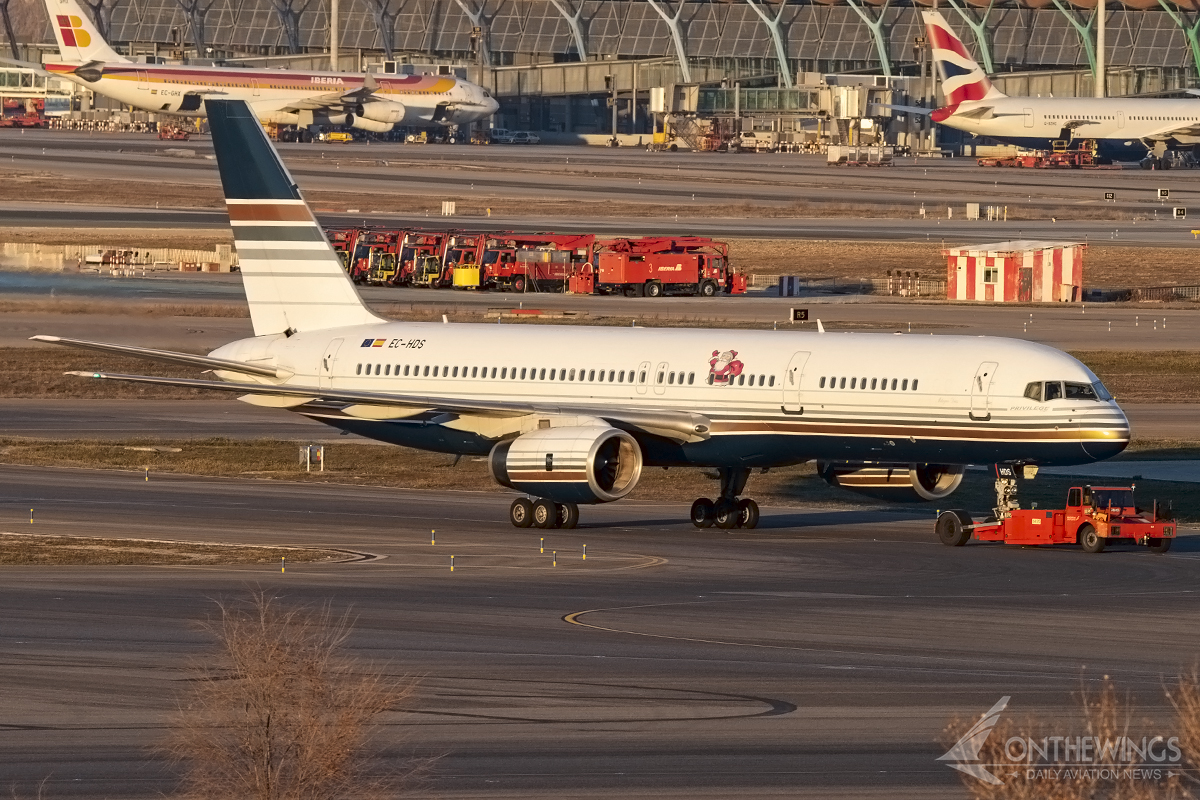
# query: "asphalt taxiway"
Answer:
x=820 y=655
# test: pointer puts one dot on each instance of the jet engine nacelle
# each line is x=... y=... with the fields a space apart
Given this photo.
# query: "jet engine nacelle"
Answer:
x=281 y=118
x=896 y=482
x=576 y=464
x=332 y=119
x=381 y=111
x=361 y=123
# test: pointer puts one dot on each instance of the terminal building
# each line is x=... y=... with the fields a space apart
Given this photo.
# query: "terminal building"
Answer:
x=563 y=66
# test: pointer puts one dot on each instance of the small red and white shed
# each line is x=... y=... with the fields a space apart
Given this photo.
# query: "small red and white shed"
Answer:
x=1020 y=271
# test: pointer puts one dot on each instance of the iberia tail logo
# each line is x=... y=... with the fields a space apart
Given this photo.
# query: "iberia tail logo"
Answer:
x=70 y=27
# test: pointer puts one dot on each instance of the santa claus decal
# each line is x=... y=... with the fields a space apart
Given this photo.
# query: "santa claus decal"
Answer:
x=723 y=367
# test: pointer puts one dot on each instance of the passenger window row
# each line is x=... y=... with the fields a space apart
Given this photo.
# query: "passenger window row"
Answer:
x=880 y=384
x=1043 y=391
x=501 y=373
x=745 y=380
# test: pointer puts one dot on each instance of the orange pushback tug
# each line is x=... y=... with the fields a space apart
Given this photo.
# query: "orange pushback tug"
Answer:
x=1094 y=517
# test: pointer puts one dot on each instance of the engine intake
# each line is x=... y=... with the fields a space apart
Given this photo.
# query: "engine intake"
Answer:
x=576 y=464
x=895 y=482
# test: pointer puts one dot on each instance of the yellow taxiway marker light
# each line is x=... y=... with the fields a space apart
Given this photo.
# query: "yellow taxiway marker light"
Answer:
x=147 y=474
x=452 y=563
x=283 y=563
x=585 y=552
x=555 y=558
x=433 y=537
x=542 y=545
x=31 y=516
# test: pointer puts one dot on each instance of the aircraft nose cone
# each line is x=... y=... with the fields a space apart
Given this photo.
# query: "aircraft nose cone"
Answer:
x=492 y=106
x=1112 y=439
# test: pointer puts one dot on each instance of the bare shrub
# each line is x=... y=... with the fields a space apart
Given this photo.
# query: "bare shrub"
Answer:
x=281 y=713
x=1107 y=716
x=1185 y=697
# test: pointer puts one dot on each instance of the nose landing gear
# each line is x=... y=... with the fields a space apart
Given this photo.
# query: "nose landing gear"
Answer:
x=727 y=511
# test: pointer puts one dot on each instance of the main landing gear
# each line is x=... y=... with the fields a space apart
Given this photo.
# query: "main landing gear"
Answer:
x=728 y=511
x=543 y=514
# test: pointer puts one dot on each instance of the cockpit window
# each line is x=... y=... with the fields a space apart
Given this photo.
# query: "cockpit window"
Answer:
x=1080 y=391
x=1042 y=391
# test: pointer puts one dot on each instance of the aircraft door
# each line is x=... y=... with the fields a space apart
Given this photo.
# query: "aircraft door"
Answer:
x=981 y=385
x=1029 y=118
x=327 y=364
x=1120 y=119
x=793 y=399
x=143 y=80
x=643 y=376
x=660 y=378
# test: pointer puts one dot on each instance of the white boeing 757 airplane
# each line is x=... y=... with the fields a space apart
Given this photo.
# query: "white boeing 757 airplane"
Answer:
x=572 y=415
x=1124 y=128
x=286 y=97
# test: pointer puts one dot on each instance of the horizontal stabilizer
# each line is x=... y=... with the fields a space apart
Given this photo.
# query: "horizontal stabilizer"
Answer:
x=166 y=356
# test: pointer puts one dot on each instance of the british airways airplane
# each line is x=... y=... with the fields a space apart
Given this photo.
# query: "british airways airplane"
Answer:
x=284 y=97
x=1124 y=128
x=574 y=414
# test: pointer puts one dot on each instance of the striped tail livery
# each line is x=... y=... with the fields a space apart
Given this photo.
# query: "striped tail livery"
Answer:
x=963 y=80
x=294 y=281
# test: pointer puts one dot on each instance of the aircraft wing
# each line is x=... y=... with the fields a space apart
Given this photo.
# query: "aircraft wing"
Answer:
x=906 y=109
x=1171 y=131
x=335 y=99
x=679 y=424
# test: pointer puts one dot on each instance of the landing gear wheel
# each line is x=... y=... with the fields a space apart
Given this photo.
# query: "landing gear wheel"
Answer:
x=653 y=289
x=1091 y=541
x=708 y=289
x=1159 y=545
x=545 y=513
x=702 y=513
x=747 y=513
x=568 y=516
x=520 y=513
x=952 y=528
x=727 y=514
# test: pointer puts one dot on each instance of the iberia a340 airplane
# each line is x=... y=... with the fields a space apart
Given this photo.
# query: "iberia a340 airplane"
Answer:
x=572 y=415
x=285 y=97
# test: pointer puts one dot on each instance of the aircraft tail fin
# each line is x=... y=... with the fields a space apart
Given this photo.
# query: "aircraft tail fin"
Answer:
x=77 y=36
x=294 y=281
x=963 y=79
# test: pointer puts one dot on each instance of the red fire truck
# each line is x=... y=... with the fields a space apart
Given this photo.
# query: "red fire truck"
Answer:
x=463 y=251
x=530 y=262
x=652 y=267
x=342 y=240
x=1094 y=517
x=376 y=257
x=421 y=257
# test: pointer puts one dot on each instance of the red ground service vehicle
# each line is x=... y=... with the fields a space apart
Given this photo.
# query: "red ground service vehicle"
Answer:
x=534 y=262
x=421 y=248
x=343 y=240
x=669 y=265
x=172 y=133
x=23 y=112
x=1094 y=517
x=462 y=250
x=376 y=256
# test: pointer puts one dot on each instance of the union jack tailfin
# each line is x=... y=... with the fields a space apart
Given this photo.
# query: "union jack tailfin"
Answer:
x=963 y=80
